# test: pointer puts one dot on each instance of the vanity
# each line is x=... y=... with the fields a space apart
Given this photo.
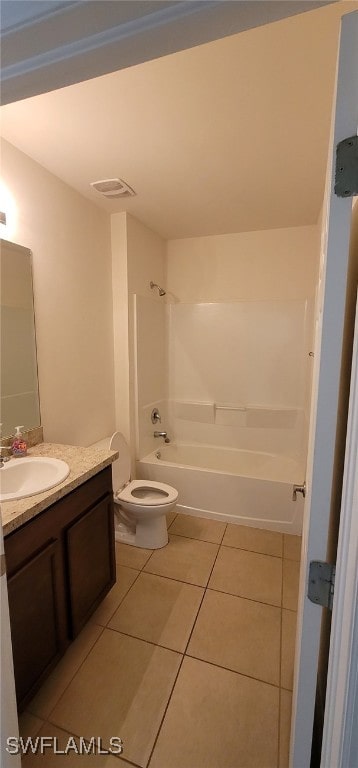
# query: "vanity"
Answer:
x=60 y=559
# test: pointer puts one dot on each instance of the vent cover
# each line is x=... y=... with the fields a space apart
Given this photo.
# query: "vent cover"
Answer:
x=113 y=188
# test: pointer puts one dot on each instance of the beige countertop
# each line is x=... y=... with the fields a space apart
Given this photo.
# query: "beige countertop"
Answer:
x=83 y=464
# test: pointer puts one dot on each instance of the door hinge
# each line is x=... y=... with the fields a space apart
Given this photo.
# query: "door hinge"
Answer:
x=346 y=179
x=321 y=583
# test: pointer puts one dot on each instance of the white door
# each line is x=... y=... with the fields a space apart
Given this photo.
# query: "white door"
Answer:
x=325 y=392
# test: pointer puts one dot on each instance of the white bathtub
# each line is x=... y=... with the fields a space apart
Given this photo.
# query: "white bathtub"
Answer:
x=235 y=486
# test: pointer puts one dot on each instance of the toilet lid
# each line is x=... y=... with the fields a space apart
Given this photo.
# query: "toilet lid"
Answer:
x=148 y=493
x=121 y=468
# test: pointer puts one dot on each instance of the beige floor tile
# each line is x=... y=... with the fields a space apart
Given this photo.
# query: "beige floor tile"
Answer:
x=132 y=557
x=63 y=740
x=160 y=610
x=198 y=528
x=29 y=725
x=170 y=517
x=184 y=559
x=292 y=547
x=253 y=539
x=245 y=636
x=48 y=695
x=125 y=579
x=291 y=574
x=121 y=690
x=248 y=574
x=289 y=619
x=218 y=718
x=285 y=726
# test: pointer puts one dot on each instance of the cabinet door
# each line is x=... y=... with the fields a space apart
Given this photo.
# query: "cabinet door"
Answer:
x=91 y=561
x=36 y=617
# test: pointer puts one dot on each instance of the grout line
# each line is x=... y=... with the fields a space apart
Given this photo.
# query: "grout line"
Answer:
x=171 y=578
x=120 y=603
x=131 y=567
x=74 y=674
x=243 y=549
x=233 y=671
x=244 y=597
x=280 y=673
x=224 y=531
x=279 y=727
x=182 y=660
x=174 y=518
x=194 y=538
x=165 y=711
x=144 y=640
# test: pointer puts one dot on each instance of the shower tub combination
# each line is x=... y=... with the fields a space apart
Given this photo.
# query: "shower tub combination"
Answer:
x=231 y=485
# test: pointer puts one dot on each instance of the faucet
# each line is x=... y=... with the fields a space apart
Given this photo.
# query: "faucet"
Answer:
x=4 y=459
x=159 y=434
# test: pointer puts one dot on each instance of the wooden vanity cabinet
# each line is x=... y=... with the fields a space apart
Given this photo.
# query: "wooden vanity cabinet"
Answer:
x=60 y=565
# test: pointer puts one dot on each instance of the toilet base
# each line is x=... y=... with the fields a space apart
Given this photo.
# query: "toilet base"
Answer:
x=148 y=534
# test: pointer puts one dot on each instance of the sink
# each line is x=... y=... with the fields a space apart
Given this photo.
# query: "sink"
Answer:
x=33 y=474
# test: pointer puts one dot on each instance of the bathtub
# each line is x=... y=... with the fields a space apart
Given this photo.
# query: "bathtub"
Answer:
x=231 y=485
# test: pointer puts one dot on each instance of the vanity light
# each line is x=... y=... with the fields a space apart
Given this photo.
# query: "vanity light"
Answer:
x=8 y=213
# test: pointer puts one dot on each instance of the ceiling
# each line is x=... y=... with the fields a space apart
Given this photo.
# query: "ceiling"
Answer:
x=228 y=136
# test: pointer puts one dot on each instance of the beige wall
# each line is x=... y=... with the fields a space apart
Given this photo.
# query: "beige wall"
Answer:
x=270 y=264
x=70 y=241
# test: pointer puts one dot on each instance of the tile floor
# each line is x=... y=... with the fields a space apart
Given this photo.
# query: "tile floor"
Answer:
x=189 y=659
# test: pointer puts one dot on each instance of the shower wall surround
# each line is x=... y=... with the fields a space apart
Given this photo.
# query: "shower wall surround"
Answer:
x=238 y=374
x=238 y=329
x=231 y=374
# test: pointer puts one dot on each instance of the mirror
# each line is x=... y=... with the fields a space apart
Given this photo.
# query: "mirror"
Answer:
x=19 y=380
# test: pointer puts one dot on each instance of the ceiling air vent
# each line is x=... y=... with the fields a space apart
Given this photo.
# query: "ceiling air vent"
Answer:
x=112 y=188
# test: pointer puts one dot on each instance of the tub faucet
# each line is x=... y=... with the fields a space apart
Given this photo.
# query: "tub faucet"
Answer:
x=159 y=434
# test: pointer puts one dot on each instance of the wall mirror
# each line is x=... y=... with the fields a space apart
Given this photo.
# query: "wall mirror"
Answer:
x=19 y=381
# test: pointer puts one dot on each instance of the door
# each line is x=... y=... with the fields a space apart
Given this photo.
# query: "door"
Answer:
x=37 y=631
x=8 y=717
x=91 y=561
x=325 y=396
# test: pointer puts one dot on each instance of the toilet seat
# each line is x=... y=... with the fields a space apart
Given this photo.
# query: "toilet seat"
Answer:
x=147 y=493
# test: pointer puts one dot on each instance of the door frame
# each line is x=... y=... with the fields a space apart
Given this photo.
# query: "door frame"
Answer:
x=325 y=414
x=340 y=737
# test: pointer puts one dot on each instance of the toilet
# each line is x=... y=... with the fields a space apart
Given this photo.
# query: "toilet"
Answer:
x=140 y=505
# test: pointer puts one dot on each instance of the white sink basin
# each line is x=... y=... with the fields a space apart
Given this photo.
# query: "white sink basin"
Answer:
x=32 y=474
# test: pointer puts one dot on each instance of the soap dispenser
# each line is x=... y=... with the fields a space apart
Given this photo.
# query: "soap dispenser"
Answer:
x=19 y=444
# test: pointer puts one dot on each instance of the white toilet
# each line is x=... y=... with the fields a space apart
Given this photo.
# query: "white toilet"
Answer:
x=140 y=505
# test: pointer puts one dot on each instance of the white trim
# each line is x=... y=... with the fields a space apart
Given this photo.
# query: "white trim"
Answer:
x=342 y=683
x=94 y=37
x=325 y=401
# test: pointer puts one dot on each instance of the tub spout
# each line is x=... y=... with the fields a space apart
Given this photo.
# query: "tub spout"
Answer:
x=159 y=434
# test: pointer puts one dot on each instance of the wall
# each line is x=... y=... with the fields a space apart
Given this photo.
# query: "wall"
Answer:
x=70 y=241
x=270 y=264
x=262 y=286
x=138 y=256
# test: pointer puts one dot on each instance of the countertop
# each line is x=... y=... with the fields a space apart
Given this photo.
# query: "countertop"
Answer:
x=83 y=464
